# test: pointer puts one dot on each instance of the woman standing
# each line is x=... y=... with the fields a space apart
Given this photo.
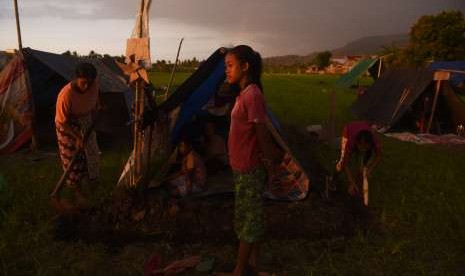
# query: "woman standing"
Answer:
x=73 y=118
x=250 y=147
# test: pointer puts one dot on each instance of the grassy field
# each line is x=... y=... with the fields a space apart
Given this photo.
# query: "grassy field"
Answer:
x=417 y=196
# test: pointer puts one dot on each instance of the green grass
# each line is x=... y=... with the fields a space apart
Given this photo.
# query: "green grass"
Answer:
x=303 y=100
x=417 y=196
x=163 y=79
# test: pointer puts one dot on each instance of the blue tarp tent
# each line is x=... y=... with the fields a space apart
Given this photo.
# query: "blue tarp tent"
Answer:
x=190 y=106
x=459 y=65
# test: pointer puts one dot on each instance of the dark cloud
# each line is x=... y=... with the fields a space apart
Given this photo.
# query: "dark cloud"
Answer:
x=275 y=26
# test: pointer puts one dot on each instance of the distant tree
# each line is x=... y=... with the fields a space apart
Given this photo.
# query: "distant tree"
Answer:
x=75 y=54
x=120 y=58
x=437 y=37
x=322 y=59
x=67 y=53
x=393 y=56
x=93 y=54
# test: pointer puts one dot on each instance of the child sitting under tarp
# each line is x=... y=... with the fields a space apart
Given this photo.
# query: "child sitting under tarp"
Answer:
x=191 y=176
x=216 y=157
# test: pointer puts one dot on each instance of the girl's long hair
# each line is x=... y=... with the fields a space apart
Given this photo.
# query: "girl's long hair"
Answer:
x=245 y=53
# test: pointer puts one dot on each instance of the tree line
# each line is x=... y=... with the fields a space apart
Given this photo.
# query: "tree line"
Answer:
x=187 y=65
x=431 y=38
x=439 y=37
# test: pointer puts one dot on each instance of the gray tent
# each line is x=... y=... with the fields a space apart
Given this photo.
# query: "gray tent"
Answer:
x=398 y=98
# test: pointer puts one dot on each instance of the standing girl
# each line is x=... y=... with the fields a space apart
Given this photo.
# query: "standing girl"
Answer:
x=250 y=147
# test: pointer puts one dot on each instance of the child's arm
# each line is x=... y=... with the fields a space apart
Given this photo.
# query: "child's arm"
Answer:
x=270 y=155
x=375 y=162
x=352 y=187
x=344 y=147
x=189 y=170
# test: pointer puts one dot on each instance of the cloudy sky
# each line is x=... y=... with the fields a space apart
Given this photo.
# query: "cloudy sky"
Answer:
x=273 y=27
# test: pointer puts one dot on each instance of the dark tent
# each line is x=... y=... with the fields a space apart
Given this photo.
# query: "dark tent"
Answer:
x=399 y=97
x=49 y=72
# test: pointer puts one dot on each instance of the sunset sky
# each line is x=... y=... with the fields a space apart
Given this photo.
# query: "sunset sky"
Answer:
x=273 y=27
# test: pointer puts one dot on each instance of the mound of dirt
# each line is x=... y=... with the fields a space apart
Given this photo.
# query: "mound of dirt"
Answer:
x=132 y=214
x=205 y=219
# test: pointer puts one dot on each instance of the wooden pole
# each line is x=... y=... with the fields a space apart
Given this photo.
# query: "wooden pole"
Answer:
x=138 y=135
x=28 y=83
x=452 y=71
x=18 y=27
x=141 y=132
x=174 y=69
x=433 y=109
x=135 y=110
x=379 y=67
x=142 y=3
x=149 y=132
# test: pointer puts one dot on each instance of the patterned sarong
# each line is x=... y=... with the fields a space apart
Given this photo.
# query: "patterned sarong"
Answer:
x=87 y=161
x=249 y=216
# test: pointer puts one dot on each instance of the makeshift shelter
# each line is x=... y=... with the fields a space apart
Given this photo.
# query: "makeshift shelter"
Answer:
x=403 y=99
x=4 y=59
x=204 y=97
x=15 y=107
x=48 y=73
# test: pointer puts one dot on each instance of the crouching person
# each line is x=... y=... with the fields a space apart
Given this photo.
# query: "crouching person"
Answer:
x=360 y=154
x=191 y=177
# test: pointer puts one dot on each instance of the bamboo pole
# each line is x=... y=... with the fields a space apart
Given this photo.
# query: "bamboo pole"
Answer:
x=18 y=27
x=149 y=132
x=142 y=3
x=135 y=129
x=433 y=109
x=26 y=74
x=452 y=71
x=141 y=132
x=174 y=69
x=379 y=67
x=138 y=135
